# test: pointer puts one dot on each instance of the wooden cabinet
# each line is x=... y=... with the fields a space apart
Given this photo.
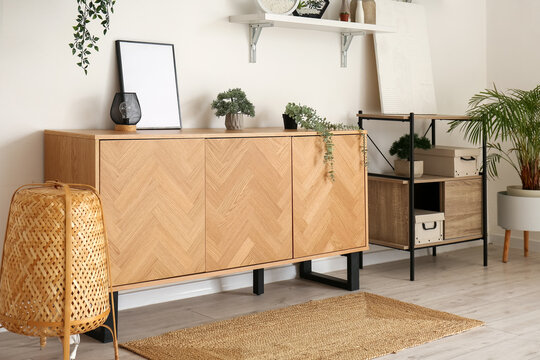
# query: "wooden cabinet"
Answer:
x=328 y=216
x=153 y=198
x=248 y=202
x=189 y=204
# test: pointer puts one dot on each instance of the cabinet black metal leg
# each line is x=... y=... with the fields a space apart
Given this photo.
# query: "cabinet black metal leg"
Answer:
x=411 y=263
x=361 y=260
x=352 y=282
x=102 y=334
x=434 y=251
x=485 y=251
x=258 y=281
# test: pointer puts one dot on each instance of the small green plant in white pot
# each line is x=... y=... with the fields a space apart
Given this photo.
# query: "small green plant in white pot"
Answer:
x=233 y=104
x=401 y=148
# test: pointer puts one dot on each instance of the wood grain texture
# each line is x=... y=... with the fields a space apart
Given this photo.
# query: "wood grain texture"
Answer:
x=463 y=208
x=388 y=212
x=328 y=216
x=153 y=198
x=248 y=202
x=71 y=160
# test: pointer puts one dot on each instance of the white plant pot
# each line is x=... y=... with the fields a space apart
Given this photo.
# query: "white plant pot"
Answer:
x=517 y=190
x=518 y=212
x=402 y=167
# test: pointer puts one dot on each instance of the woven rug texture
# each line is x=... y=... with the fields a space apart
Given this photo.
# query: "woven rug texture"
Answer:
x=357 y=326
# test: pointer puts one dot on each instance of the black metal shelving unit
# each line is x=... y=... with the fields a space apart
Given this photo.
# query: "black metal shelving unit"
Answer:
x=410 y=118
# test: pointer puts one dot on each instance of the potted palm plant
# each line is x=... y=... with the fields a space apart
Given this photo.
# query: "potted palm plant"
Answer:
x=511 y=118
x=510 y=123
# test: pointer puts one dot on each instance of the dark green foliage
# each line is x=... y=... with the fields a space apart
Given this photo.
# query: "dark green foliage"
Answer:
x=401 y=147
x=307 y=118
x=89 y=11
x=233 y=101
x=512 y=117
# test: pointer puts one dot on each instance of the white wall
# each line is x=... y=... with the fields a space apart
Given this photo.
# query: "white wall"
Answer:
x=41 y=88
x=512 y=62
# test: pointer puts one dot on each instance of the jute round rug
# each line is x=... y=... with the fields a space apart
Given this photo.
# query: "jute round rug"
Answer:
x=356 y=326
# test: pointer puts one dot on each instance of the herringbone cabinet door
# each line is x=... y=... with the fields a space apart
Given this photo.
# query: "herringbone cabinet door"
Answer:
x=153 y=199
x=328 y=216
x=248 y=202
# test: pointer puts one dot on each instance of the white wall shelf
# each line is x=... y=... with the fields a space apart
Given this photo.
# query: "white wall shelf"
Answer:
x=348 y=30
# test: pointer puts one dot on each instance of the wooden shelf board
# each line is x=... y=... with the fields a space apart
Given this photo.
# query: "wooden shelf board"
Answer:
x=416 y=116
x=423 y=178
x=423 y=246
x=297 y=22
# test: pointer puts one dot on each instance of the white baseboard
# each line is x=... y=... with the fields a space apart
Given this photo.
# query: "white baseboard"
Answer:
x=130 y=299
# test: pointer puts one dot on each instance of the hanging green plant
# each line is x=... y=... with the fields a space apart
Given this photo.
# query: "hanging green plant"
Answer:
x=89 y=11
x=307 y=118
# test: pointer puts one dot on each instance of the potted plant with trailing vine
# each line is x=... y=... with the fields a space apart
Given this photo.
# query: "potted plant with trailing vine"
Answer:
x=510 y=123
x=89 y=12
x=401 y=148
x=308 y=119
x=233 y=104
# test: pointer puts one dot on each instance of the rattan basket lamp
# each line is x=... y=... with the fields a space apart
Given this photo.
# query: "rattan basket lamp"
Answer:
x=55 y=240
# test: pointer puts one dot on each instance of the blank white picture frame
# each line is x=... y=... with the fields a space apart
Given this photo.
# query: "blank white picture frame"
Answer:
x=149 y=70
x=404 y=66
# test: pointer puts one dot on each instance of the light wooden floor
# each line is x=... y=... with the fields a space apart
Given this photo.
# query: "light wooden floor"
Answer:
x=505 y=296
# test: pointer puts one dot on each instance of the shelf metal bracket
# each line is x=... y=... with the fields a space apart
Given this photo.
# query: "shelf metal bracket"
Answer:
x=254 y=34
x=346 y=40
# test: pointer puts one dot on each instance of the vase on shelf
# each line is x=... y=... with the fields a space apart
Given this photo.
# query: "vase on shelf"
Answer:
x=345 y=10
x=359 y=14
x=370 y=11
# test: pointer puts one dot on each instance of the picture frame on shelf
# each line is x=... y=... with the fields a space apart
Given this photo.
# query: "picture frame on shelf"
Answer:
x=311 y=8
x=149 y=69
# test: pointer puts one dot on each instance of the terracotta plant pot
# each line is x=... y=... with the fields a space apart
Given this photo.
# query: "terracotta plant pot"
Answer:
x=234 y=121
x=402 y=168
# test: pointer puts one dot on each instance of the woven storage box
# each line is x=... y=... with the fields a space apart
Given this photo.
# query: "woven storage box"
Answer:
x=429 y=226
x=449 y=161
x=41 y=256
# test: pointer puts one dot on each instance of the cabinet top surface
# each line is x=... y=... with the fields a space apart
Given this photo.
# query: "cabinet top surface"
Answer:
x=188 y=133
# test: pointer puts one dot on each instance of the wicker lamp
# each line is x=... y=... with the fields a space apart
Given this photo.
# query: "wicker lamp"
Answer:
x=55 y=240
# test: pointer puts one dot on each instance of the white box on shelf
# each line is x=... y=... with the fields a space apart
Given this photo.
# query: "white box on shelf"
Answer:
x=429 y=226
x=449 y=161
